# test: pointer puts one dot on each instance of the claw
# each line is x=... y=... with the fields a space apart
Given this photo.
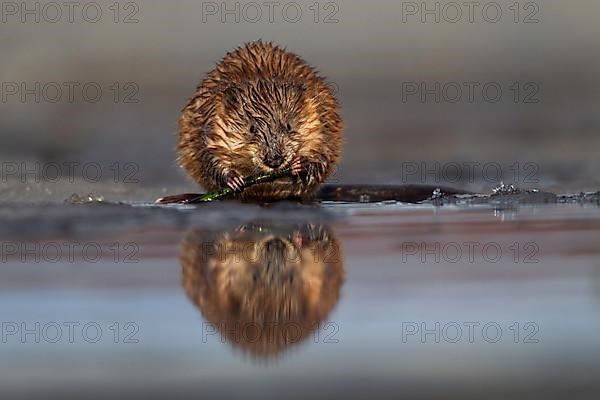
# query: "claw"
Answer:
x=300 y=165
x=234 y=181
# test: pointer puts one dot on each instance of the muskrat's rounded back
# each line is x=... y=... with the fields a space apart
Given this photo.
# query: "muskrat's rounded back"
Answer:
x=260 y=110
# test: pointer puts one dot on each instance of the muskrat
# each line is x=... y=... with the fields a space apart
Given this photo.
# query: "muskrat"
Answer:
x=260 y=110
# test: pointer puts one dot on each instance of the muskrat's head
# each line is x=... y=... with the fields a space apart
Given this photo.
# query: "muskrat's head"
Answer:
x=266 y=123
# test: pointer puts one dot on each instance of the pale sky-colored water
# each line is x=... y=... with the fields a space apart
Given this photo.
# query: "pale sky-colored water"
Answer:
x=545 y=279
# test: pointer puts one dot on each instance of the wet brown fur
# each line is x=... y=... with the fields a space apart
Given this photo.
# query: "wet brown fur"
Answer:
x=292 y=109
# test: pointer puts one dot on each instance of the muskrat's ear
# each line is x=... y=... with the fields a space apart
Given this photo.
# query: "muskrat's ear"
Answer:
x=232 y=98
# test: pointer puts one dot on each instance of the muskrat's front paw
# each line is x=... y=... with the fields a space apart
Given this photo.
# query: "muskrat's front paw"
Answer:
x=234 y=181
x=300 y=166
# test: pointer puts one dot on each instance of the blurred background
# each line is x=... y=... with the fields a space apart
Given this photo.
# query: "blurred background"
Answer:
x=462 y=94
x=432 y=92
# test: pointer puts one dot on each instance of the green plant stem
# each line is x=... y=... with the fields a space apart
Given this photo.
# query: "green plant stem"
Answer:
x=249 y=181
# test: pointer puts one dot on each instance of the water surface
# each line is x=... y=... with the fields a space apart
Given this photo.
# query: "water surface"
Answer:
x=300 y=301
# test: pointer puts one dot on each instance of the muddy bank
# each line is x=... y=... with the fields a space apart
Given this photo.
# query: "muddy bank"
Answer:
x=91 y=214
x=438 y=195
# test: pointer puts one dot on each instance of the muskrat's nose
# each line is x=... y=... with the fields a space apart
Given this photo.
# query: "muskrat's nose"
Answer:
x=273 y=161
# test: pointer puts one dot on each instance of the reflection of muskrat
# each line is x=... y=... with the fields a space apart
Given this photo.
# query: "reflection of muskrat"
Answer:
x=260 y=110
x=263 y=287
